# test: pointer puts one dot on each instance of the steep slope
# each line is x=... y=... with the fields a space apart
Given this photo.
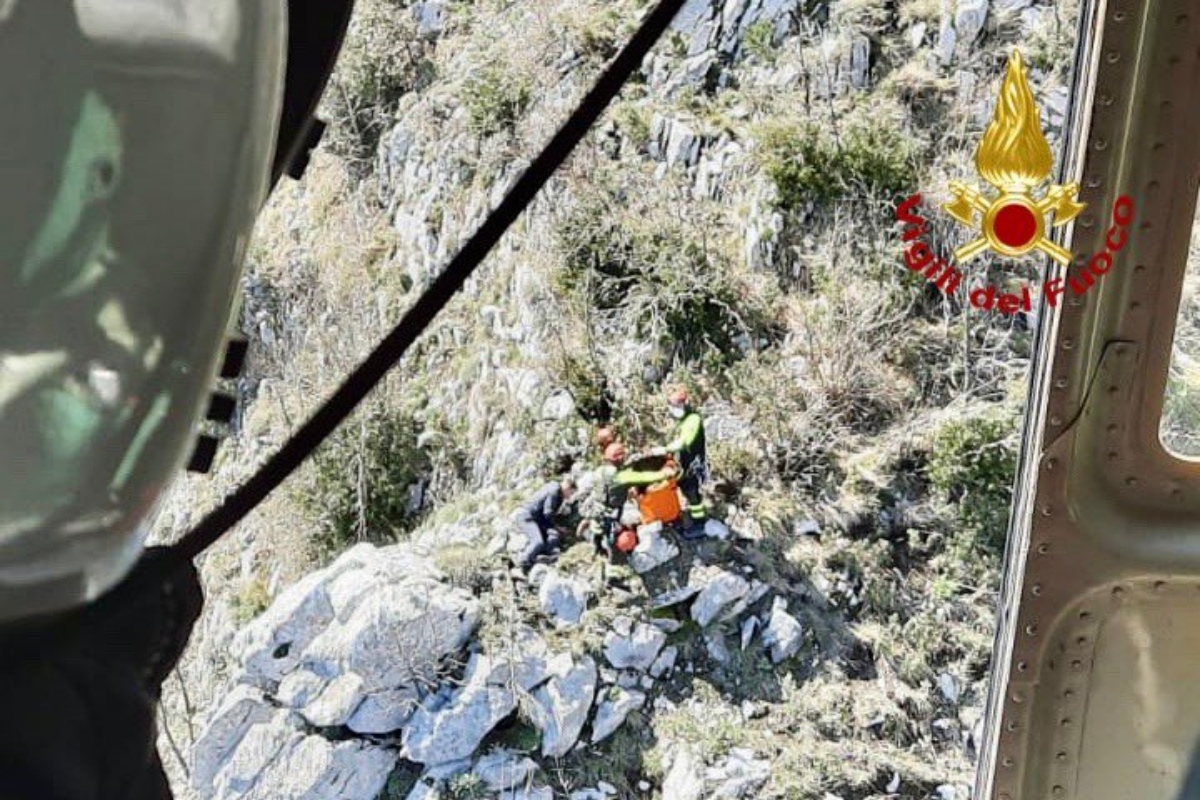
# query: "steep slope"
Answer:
x=729 y=226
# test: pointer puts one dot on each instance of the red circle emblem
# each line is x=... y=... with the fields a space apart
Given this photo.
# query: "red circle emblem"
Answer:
x=1015 y=225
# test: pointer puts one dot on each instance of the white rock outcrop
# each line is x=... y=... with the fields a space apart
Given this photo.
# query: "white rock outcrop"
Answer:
x=783 y=634
x=353 y=645
x=635 y=650
x=612 y=711
x=563 y=702
x=719 y=592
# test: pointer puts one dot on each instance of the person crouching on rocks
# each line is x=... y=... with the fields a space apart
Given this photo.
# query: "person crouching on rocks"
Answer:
x=536 y=520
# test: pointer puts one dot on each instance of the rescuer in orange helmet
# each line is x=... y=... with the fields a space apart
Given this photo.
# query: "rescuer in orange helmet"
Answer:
x=614 y=483
x=605 y=435
x=687 y=445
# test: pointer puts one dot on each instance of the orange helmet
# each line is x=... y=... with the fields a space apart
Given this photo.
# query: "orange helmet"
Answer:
x=678 y=396
x=627 y=540
x=605 y=435
x=615 y=453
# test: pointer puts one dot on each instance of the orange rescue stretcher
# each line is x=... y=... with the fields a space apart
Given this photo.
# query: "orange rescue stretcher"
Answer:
x=658 y=502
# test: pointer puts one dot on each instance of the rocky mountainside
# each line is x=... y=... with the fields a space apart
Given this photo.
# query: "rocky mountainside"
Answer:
x=729 y=225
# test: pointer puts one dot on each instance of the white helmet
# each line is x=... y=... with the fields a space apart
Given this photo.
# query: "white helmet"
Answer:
x=137 y=143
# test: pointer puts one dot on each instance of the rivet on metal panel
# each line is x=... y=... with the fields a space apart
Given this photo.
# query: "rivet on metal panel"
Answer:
x=1131 y=481
x=1076 y=300
x=1047 y=511
x=1022 y=666
x=1135 y=305
x=1007 y=761
x=1112 y=56
x=1058 y=791
x=1004 y=796
x=1104 y=99
x=1055 y=420
x=1082 y=641
x=1113 y=427
x=1085 y=615
x=1018 y=698
x=1093 y=182
x=1060 y=756
x=1160 y=585
x=1139 y=268
x=1114 y=389
x=1087 y=221
x=1068 y=344
x=1061 y=383
x=1013 y=726
x=1101 y=144
x=1112 y=455
x=1118 y=591
x=1069 y=693
x=1076 y=664
x=1043 y=548
x=1120 y=16
x=1031 y=630
x=1036 y=590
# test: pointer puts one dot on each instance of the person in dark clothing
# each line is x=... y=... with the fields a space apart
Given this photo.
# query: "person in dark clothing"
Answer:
x=687 y=445
x=536 y=520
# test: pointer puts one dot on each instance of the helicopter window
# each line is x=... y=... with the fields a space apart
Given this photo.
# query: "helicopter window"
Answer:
x=1179 y=428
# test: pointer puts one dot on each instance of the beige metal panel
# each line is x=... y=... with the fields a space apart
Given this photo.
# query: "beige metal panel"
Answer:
x=1096 y=681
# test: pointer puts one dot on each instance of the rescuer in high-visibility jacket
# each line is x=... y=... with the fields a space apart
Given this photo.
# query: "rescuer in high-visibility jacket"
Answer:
x=614 y=481
x=687 y=445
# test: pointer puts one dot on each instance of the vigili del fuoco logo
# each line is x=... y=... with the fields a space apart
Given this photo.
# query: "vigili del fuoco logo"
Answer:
x=1015 y=216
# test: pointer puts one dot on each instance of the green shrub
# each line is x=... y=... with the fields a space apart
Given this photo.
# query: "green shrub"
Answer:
x=468 y=787
x=399 y=784
x=465 y=566
x=713 y=729
x=660 y=280
x=759 y=41
x=382 y=60
x=251 y=600
x=807 y=162
x=973 y=464
x=634 y=120
x=585 y=381
x=599 y=35
x=495 y=98
x=360 y=484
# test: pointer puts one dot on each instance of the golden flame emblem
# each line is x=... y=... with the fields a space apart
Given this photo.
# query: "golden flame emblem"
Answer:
x=1015 y=158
